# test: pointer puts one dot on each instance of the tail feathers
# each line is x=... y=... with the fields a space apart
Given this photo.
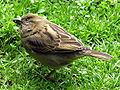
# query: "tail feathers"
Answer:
x=98 y=54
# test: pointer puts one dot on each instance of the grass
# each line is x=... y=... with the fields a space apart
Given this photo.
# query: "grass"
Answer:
x=96 y=22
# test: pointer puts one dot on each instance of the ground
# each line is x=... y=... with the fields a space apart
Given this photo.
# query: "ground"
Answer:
x=95 y=22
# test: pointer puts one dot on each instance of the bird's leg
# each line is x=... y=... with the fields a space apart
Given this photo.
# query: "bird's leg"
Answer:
x=48 y=77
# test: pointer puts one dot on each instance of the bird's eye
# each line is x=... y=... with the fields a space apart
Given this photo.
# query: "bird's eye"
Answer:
x=27 y=18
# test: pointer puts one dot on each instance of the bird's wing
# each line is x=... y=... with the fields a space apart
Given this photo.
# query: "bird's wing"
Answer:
x=53 y=39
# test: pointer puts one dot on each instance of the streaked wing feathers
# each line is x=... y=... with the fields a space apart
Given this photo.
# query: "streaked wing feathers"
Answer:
x=53 y=39
x=68 y=41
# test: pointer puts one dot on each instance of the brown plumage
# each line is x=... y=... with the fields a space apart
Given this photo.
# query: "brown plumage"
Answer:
x=52 y=45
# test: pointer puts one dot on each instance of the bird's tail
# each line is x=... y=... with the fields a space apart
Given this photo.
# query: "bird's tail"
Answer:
x=98 y=54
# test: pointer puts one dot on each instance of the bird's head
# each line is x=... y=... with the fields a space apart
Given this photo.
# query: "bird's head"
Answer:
x=27 y=19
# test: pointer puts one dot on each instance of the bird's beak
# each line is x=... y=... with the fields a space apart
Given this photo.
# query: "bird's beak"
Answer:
x=17 y=21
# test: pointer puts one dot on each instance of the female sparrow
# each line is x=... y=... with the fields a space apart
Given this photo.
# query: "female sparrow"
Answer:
x=52 y=45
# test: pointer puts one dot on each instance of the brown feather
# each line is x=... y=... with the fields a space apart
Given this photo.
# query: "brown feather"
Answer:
x=97 y=54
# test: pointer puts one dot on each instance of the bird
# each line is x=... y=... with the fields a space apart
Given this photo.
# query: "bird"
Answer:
x=52 y=45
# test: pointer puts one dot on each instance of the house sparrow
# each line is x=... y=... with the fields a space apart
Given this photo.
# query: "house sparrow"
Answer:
x=52 y=45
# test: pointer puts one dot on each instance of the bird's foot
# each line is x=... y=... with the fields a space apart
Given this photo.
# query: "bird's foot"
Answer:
x=51 y=79
x=48 y=77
